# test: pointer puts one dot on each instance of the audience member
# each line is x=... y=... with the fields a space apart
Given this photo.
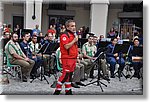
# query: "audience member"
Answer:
x=36 y=30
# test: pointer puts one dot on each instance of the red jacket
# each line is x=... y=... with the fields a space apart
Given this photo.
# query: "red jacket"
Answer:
x=72 y=52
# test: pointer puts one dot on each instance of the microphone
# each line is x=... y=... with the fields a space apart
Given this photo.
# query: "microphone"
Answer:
x=75 y=33
x=76 y=36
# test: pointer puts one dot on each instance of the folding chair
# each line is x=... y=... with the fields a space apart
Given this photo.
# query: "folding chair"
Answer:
x=12 y=69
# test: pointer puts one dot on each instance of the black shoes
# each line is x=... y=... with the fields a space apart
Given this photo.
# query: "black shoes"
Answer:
x=92 y=77
x=34 y=76
x=57 y=92
x=75 y=85
x=112 y=76
x=136 y=76
x=24 y=79
x=119 y=73
x=69 y=92
x=106 y=78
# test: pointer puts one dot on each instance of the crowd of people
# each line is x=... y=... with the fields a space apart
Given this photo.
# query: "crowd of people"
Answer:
x=76 y=62
x=125 y=34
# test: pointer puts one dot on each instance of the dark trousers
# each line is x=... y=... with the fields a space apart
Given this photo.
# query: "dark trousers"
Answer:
x=38 y=62
x=112 y=61
x=137 y=66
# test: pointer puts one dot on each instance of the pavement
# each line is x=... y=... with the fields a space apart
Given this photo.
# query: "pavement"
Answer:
x=37 y=87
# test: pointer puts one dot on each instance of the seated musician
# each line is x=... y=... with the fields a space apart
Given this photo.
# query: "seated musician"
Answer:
x=17 y=56
x=26 y=49
x=136 y=59
x=112 y=58
x=51 y=58
x=88 y=50
x=95 y=41
x=34 y=46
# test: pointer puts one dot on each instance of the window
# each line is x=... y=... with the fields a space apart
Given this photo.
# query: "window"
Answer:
x=57 y=6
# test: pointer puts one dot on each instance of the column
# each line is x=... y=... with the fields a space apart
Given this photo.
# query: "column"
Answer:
x=29 y=11
x=1 y=13
x=98 y=17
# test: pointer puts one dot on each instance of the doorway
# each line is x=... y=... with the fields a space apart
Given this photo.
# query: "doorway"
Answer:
x=18 y=20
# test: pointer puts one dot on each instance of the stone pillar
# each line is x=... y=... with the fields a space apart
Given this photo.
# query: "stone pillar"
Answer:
x=28 y=9
x=1 y=13
x=98 y=17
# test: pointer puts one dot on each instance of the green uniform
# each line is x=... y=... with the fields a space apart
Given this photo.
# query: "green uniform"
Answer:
x=14 y=48
x=89 y=49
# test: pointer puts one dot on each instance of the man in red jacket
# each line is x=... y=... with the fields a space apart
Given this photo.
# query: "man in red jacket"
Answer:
x=69 y=52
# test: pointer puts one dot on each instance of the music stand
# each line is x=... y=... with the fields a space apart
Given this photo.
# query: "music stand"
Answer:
x=42 y=51
x=55 y=46
x=97 y=60
x=51 y=48
x=103 y=44
x=121 y=49
x=82 y=41
x=39 y=38
x=138 y=51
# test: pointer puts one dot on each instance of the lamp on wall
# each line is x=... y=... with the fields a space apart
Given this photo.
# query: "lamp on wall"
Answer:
x=34 y=17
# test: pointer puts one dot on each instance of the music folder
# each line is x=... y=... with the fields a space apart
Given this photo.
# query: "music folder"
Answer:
x=121 y=48
x=49 y=48
x=137 y=51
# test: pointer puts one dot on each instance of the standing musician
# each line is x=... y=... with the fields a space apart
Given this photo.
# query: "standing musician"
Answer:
x=69 y=53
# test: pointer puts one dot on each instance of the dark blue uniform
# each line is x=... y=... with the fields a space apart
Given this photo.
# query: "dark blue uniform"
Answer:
x=111 y=59
x=136 y=65
x=38 y=61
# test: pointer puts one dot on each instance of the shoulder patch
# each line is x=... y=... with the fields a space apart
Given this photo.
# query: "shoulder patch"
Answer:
x=64 y=38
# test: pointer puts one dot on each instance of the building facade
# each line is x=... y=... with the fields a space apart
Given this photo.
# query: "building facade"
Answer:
x=99 y=16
